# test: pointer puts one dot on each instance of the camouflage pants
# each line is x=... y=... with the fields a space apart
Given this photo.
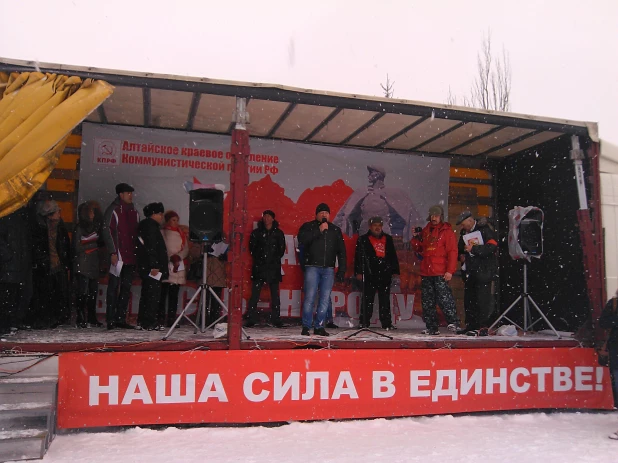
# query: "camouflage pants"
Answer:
x=436 y=291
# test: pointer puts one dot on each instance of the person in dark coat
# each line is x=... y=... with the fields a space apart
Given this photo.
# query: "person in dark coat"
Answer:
x=152 y=265
x=480 y=268
x=375 y=263
x=267 y=247
x=15 y=267
x=120 y=236
x=51 y=261
x=323 y=248
x=609 y=321
x=86 y=240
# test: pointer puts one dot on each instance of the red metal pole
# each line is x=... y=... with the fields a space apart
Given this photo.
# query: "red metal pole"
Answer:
x=239 y=180
x=597 y=274
x=591 y=235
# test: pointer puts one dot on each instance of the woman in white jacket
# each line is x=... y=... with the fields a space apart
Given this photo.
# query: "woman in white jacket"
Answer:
x=177 y=251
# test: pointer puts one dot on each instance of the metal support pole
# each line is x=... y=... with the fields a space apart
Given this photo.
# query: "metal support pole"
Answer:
x=203 y=299
x=577 y=155
x=239 y=181
x=526 y=308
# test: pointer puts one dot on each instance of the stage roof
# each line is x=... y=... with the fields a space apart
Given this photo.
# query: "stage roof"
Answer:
x=312 y=116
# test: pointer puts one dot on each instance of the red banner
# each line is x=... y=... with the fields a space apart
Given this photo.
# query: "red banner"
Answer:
x=111 y=389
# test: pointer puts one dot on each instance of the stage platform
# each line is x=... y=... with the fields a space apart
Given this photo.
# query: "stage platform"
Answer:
x=70 y=339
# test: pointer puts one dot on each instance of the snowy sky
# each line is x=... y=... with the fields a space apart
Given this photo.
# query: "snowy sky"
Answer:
x=563 y=52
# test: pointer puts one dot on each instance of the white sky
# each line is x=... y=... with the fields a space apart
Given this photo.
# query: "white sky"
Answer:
x=563 y=52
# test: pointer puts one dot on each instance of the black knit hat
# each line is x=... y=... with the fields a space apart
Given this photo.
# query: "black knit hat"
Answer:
x=322 y=207
x=269 y=212
x=154 y=208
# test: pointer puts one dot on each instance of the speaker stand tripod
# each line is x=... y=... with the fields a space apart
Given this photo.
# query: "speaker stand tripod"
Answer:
x=363 y=307
x=202 y=312
x=527 y=299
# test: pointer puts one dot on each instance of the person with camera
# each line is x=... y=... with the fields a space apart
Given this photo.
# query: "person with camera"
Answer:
x=375 y=263
x=437 y=246
x=323 y=246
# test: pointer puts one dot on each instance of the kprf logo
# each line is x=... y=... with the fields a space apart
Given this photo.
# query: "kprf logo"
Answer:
x=106 y=151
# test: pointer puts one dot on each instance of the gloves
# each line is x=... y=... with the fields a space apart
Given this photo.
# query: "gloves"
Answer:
x=175 y=260
x=340 y=276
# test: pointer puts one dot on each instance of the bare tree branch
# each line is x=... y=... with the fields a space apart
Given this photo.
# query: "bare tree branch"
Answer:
x=451 y=99
x=491 y=88
x=388 y=88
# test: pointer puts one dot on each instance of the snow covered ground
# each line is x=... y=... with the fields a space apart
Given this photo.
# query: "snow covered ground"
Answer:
x=521 y=438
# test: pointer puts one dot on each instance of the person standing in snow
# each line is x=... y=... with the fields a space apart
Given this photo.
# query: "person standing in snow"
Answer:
x=152 y=265
x=375 y=263
x=51 y=260
x=267 y=247
x=480 y=268
x=323 y=247
x=120 y=236
x=609 y=321
x=437 y=245
x=86 y=263
x=177 y=251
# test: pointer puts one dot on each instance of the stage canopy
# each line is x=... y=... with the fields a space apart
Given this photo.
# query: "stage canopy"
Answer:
x=287 y=113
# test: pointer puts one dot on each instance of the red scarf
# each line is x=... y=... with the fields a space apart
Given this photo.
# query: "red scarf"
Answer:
x=180 y=232
x=379 y=245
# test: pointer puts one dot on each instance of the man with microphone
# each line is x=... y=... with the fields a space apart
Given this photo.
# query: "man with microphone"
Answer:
x=323 y=246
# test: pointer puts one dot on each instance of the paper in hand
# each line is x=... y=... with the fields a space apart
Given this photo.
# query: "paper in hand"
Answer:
x=116 y=269
x=219 y=248
x=473 y=238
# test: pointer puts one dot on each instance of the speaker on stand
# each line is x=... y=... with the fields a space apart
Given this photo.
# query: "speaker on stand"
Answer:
x=525 y=242
x=205 y=215
x=205 y=227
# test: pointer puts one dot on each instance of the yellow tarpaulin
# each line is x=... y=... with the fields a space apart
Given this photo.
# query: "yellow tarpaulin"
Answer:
x=37 y=114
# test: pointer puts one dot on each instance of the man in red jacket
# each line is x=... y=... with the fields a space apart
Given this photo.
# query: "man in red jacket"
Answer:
x=437 y=246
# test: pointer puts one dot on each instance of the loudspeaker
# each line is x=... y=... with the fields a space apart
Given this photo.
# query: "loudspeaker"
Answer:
x=531 y=233
x=205 y=214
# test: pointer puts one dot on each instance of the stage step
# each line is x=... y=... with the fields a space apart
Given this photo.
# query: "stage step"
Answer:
x=26 y=444
x=27 y=417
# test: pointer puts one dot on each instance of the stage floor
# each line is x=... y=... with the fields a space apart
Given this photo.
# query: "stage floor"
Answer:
x=67 y=339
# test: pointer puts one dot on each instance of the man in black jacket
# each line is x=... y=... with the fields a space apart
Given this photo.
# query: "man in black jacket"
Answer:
x=15 y=267
x=480 y=267
x=375 y=263
x=267 y=247
x=152 y=265
x=323 y=245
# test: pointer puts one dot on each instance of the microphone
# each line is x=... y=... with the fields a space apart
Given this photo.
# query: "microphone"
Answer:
x=324 y=220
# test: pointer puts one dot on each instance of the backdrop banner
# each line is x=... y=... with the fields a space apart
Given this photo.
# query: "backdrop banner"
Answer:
x=288 y=178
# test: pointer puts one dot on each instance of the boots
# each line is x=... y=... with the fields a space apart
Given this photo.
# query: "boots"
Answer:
x=80 y=312
x=92 y=312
